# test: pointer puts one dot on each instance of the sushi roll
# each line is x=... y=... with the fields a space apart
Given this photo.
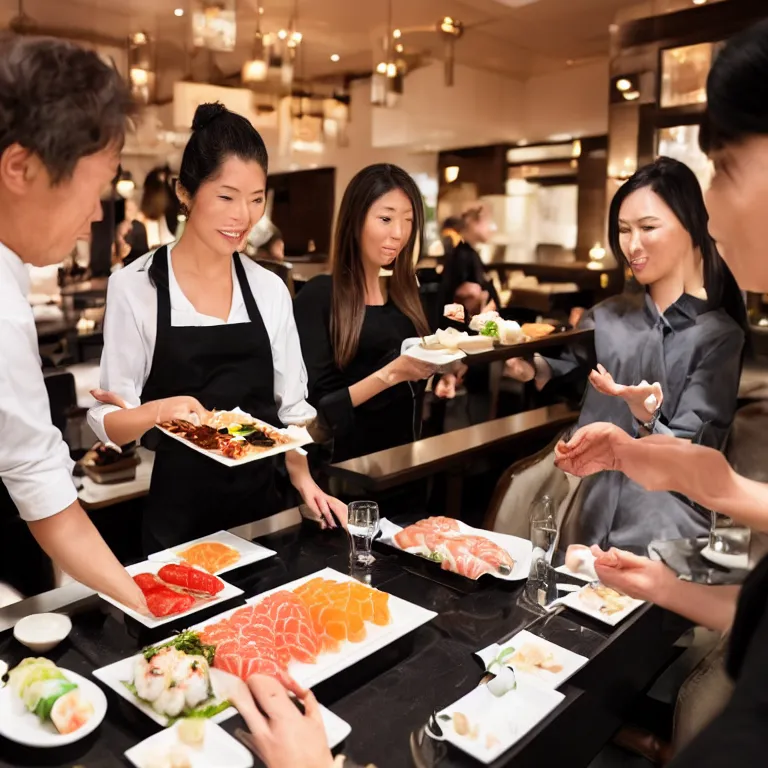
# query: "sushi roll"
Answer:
x=46 y=692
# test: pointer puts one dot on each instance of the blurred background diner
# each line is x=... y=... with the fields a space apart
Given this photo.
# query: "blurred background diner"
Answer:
x=504 y=129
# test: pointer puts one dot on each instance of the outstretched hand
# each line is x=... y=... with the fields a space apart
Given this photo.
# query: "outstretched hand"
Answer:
x=643 y=399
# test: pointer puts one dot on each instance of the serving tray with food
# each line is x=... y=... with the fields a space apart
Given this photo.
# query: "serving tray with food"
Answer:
x=235 y=437
x=461 y=549
x=173 y=590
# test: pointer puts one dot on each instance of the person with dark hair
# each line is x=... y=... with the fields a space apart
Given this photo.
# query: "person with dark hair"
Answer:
x=157 y=209
x=63 y=117
x=464 y=280
x=352 y=324
x=449 y=234
x=193 y=327
x=735 y=135
x=688 y=324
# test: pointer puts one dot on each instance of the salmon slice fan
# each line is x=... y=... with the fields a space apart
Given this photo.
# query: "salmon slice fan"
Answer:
x=211 y=555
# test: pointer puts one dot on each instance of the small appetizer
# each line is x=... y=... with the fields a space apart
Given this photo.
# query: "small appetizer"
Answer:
x=454 y=312
x=537 y=330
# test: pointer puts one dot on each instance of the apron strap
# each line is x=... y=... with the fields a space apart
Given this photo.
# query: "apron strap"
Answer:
x=245 y=289
x=160 y=262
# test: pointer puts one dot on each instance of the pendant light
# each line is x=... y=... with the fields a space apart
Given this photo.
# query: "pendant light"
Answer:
x=255 y=69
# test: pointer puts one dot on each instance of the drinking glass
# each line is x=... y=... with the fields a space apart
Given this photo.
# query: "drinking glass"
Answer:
x=541 y=586
x=363 y=525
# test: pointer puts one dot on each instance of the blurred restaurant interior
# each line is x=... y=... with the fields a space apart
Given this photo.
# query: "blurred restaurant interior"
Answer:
x=536 y=112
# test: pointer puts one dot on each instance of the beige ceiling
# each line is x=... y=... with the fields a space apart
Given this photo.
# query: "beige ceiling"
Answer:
x=540 y=36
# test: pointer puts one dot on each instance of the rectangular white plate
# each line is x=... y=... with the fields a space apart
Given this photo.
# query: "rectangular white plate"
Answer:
x=575 y=601
x=406 y=617
x=147 y=566
x=439 y=357
x=569 y=661
x=249 y=552
x=520 y=550
x=219 y=749
x=568 y=572
x=506 y=719
x=299 y=436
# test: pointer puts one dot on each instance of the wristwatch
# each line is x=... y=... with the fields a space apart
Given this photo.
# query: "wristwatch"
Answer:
x=649 y=425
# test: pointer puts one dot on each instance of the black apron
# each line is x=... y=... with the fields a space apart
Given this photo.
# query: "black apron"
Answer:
x=223 y=366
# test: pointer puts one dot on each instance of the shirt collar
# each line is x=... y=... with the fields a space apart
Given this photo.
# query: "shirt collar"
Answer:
x=17 y=268
x=680 y=315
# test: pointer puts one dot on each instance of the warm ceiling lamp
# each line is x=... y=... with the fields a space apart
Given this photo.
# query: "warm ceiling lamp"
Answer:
x=178 y=12
x=699 y=2
x=631 y=95
x=451 y=30
x=451 y=173
x=140 y=70
x=623 y=84
x=255 y=69
x=335 y=57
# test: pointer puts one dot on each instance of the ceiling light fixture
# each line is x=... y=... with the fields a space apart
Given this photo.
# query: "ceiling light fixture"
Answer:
x=335 y=57
x=256 y=68
x=399 y=48
x=622 y=84
x=631 y=95
x=397 y=34
x=451 y=173
x=178 y=12
x=699 y=2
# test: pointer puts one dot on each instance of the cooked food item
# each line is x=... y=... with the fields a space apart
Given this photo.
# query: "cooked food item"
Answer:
x=537 y=330
x=579 y=559
x=173 y=757
x=191 y=731
x=532 y=656
x=213 y=556
x=479 y=321
x=506 y=331
x=476 y=344
x=161 y=599
x=454 y=312
x=460 y=724
x=172 y=681
x=604 y=599
x=191 y=579
x=235 y=435
x=295 y=626
x=46 y=692
x=440 y=539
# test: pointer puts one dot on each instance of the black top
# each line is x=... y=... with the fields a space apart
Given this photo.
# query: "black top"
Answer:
x=389 y=419
x=464 y=265
x=738 y=736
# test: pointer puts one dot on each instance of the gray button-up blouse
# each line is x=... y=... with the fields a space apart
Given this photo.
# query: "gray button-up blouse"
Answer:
x=695 y=355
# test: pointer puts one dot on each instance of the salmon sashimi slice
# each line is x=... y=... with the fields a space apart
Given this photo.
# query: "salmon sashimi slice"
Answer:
x=440 y=538
x=213 y=556
x=191 y=578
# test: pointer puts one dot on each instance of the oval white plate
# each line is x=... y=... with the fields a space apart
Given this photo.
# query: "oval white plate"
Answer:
x=23 y=727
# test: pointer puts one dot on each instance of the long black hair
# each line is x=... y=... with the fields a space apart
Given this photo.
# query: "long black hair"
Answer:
x=737 y=91
x=217 y=134
x=676 y=184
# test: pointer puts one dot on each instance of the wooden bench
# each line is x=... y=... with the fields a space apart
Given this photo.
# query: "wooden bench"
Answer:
x=450 y=452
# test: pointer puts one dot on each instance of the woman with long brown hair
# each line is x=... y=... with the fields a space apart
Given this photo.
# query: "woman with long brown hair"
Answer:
x=352 y=323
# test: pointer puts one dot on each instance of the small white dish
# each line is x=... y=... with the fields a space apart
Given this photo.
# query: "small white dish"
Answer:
x=583 y=602
x=24 y=727
x=42 y=631
x=218 y=749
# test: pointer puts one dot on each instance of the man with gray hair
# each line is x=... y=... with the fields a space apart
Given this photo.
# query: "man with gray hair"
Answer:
x=63 y=117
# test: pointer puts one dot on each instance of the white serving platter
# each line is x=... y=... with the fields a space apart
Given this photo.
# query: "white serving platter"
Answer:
x=569 y=662
x=520 y=550
x=438 y=357
x=249 y=552
x=405 y=618
x=575 y=601
x=564 y=569
x=299 y=437
x=500 y=721
x=24 y=727
x=147 y=566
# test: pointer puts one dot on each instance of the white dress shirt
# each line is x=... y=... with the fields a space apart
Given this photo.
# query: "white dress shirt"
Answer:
x=35 y=465
x=130 y=331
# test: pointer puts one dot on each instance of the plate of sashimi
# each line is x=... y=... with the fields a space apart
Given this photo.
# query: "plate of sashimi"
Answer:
x=173 y=590
x=460 y=548
x=308 y=630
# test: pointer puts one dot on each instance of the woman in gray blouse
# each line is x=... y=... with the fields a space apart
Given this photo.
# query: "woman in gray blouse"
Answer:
x=666 y=360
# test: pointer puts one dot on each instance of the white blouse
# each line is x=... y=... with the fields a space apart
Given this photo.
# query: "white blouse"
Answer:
x=35 y=466
x=130 y=331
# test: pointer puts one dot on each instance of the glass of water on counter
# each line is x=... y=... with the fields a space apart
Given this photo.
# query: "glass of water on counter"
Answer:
x=363 y=525
x=541 y=587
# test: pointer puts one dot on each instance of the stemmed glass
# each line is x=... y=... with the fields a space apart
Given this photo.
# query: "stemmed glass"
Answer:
x=363 y=525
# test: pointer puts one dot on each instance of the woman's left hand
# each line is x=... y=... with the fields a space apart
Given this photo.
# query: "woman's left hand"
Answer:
x=320 y=507
x=643 y=399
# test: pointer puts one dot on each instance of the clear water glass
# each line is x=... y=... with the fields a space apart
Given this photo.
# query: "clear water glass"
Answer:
x=362 y=525
x=541 y=586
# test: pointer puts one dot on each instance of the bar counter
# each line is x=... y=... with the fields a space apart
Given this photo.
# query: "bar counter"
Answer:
x=388 y=697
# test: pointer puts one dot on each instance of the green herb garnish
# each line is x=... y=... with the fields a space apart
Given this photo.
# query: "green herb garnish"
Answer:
x=444 y=718
x=491 y=328
x=435 y=557
x=188 y=642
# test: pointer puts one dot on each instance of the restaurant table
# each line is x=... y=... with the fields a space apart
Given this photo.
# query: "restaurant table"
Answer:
x=389 y=696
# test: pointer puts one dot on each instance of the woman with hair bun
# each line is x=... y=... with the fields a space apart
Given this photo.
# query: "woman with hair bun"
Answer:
x=193 y=326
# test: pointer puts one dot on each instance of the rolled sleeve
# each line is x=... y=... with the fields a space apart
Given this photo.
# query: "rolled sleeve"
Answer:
x=35 y=465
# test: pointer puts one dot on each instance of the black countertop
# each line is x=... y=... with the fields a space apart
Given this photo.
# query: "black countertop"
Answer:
x=388 y=697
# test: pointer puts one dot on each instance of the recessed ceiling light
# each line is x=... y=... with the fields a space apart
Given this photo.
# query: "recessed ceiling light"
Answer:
x=396 y=33
x=335 y=57
x=699 y=2
x=399 y=47
x=178 y=12
x=622 y=84
x=631 y=95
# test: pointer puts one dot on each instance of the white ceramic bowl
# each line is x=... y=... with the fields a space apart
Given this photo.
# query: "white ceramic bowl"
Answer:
x=42 y=631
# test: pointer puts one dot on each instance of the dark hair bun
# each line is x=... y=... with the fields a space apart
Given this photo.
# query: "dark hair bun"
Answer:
x=205 y=114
